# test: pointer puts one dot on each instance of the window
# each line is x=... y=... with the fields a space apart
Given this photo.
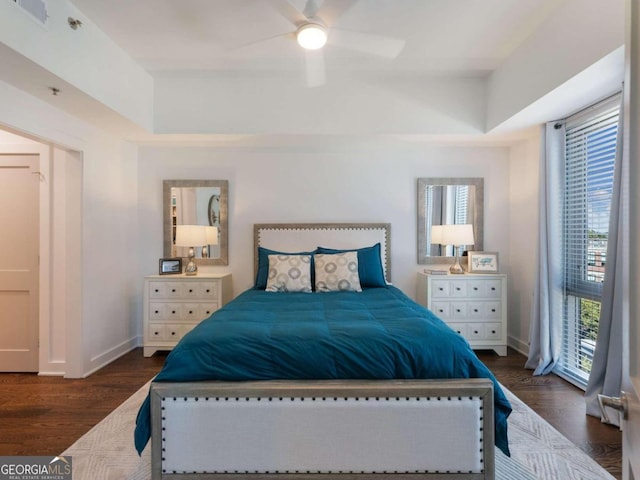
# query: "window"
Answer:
x=590 y=148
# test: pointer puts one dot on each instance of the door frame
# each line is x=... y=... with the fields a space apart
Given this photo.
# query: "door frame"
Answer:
x=60 y=246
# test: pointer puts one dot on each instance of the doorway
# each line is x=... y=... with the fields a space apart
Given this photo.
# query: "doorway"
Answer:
x=19 y=263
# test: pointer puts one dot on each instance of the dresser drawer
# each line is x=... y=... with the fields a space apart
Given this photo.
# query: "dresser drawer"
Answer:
x=484 y=331
x=449 y=289
x=184 y=291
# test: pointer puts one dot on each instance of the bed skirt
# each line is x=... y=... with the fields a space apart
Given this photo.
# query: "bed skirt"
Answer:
x=319 y=429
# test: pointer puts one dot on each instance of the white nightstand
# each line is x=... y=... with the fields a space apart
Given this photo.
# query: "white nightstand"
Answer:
x=473 y=305
x=174 y=304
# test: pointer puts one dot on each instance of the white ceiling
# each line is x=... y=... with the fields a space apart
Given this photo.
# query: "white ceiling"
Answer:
x=464 y=37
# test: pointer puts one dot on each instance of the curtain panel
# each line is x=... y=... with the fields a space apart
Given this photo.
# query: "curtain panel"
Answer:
x=546 y=316
x=606 y=370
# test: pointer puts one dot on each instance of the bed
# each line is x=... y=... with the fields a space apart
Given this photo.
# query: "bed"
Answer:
x=301 y=384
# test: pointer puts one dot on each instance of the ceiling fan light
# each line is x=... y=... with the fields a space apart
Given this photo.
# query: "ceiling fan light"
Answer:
x=312 y=36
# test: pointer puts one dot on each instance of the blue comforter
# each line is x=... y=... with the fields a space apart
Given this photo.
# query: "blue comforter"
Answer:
x=379 y=333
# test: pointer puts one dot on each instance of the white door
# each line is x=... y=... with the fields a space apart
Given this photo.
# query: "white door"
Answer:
x=631 y=322
x=19 y=249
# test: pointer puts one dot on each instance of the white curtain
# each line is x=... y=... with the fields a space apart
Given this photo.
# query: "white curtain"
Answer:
x=606 y=371
x=546 y=314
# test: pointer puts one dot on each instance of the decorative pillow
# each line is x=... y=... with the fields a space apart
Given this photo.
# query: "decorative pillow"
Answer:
x=289 y=273
x=337 y=272
x=263 y=265
x=370 y=268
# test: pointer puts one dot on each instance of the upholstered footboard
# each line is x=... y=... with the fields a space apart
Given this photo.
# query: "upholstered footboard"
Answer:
x=316 y=429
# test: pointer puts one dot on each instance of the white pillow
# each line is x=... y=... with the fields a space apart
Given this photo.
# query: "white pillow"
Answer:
x=289 y=273
x=337 y=272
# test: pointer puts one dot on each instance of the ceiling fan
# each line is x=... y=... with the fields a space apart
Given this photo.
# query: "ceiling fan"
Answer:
x=314 y=28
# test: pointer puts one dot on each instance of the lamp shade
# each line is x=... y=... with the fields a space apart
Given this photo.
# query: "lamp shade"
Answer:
x=212 y=235
x=190 y=235
x=457 y=235
x=436 y=234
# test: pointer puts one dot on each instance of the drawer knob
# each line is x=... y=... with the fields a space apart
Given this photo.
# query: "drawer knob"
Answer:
x=440 y=288
x=458 y=310
x=191 y=290
x=493 y=288
x=157 y=312
x=156 y=333
x=207 y=312
x=475 y=331
x=173 y=333
x=475 y=310
x=493 y=331
x=441 y=310
x=190 y=312
x=493 y=309
x=208 y=290
x=173 y=311
x=156 y=290
x=475 y=288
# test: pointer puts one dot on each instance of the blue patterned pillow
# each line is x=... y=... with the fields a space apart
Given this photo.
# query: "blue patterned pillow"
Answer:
x=289 y=273
x=263 y=265
x=370 y=268
x=337 y=272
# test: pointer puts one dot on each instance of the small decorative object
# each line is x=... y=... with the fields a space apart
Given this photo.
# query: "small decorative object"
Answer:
x=433 y=271
x=483 y=262
x=170 y=266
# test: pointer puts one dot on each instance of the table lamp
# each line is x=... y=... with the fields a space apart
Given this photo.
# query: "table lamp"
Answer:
x=457 y=235
x=190 y=236
x=211 y=234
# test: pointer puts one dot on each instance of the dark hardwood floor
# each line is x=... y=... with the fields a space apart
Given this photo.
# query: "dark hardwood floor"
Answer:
x=45 y=415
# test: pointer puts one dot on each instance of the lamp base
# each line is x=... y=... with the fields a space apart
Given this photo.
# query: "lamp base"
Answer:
x=191 y=268
x=456 y=268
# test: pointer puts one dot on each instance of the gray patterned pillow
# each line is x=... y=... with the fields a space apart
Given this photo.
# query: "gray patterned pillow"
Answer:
x=289 y=273
x=337 y=272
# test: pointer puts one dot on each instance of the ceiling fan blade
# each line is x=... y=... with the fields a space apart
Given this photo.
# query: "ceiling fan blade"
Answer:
x=316 y=75
x=247 y=45
x=288 y=11
x=310 y=8
x=331 y=10
x=387 y=47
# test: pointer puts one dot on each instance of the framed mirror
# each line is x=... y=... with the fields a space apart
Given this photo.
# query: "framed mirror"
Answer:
x=448 y=201
x=197 y=202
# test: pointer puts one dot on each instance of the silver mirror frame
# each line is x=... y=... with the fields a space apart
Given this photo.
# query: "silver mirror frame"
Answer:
x=478 y=215
x=223 y=185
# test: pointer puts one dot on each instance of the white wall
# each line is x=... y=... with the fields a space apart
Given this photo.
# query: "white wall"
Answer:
x=578 y=34
x=374 y=183
x=368 y=104
x=107 y=193
x=524 y=163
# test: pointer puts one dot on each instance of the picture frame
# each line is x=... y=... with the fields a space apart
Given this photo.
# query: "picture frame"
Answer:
x=482 y=262
x=170 y=266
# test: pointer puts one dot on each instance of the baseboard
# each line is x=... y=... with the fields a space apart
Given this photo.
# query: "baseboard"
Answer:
x=518 y=345
x=104 y=359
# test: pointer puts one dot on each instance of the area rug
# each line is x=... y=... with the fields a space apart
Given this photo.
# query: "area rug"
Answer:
x=538 y=451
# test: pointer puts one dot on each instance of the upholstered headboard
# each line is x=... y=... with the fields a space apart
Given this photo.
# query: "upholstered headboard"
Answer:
x=296 y=237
